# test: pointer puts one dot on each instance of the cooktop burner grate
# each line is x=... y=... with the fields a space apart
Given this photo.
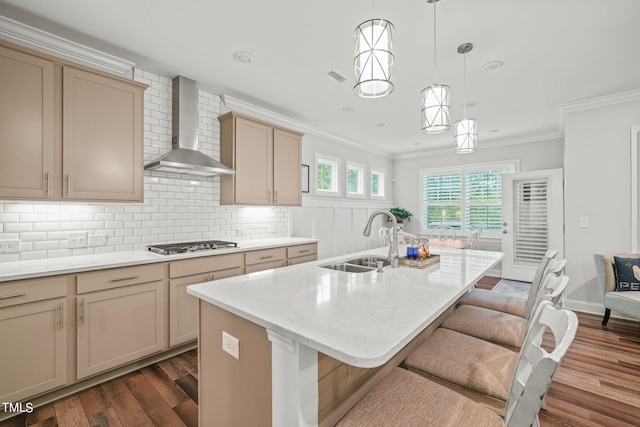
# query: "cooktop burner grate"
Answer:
x=178 y=248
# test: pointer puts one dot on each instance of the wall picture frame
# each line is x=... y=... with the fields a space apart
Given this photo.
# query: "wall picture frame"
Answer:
x=305 y=178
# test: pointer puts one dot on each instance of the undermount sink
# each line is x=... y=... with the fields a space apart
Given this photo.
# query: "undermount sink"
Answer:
x=358 y=265
x=370 y=261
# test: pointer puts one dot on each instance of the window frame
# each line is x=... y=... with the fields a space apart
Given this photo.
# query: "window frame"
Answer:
x=382 y=173
x=362 y=190
x=463 y=171
x=335 y=176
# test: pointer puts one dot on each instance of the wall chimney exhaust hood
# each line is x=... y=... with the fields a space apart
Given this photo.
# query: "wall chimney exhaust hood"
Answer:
x=184 y=156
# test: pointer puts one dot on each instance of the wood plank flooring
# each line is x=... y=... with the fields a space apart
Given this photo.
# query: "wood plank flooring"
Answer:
x=597 y=384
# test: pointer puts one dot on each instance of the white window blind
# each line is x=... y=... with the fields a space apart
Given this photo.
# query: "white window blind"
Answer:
x=466 y=198
x=531 y=225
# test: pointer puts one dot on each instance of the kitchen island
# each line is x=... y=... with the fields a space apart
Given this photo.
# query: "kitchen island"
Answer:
x=288 y=319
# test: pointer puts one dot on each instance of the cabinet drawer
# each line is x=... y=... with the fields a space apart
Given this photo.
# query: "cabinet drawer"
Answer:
x=302 y=250
x=264 y=266
x=24 y=291
x=267 y=255
x=118 y=277
x=203 y=265
x=302 y=259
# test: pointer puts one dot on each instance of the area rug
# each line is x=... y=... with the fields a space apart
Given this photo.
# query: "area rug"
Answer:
x=513 y=287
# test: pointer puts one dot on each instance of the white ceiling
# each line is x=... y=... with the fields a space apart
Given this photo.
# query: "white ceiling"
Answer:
x=554 y=52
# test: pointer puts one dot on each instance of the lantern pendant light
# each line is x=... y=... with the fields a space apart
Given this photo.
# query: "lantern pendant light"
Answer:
x=435 y=98
x=466 y=129
x=373 y=63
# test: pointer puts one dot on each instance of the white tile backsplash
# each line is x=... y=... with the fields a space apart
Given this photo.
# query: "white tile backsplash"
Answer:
x=176 y=207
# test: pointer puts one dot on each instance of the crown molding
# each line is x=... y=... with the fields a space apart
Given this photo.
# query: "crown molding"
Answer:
x=485 y=145
x=34 y=38
x=597 y=102
x=257 y=112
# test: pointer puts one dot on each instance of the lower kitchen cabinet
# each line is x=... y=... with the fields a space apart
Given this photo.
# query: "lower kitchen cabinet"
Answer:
x=302 y=253
x=119 y=325
x=265 y=259
x=183 y=308
x=33 y=350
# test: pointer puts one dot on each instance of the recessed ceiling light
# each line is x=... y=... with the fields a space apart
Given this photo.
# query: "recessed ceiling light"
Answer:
x=493 y=131
x=492 y=66
x=471 y=104
x=348 y=109
x=243 y=57
x=381 y=125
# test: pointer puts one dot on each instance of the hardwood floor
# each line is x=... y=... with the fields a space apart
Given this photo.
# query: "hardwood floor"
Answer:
x=597 y=384
x=163 y=394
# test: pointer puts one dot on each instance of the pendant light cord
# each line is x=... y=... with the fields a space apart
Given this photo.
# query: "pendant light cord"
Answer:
x=465 y=85
x=435 y=65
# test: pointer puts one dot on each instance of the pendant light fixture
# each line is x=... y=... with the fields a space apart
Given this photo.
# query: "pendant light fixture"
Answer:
x=435 y=98
x=373 y=61
x=466 y=130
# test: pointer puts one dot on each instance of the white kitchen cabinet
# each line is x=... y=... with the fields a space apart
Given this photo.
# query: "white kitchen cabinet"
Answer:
x=68 y=132
x=124 y=322
x=266 y=159
x=183 y=308
x=33 y=343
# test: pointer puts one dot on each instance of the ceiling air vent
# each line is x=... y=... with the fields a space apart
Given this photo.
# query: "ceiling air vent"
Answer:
x=335 y=76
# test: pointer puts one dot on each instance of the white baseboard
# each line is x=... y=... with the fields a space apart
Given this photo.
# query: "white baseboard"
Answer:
x=593 y=308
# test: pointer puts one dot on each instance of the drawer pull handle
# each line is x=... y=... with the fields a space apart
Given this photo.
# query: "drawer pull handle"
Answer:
x=304 y=251
x=122 y=279
x=266 y=257
x=13 y=295
x=61 y=322
x=81 y=313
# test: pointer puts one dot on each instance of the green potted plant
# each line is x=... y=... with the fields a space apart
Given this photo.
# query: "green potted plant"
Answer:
x=401 y=214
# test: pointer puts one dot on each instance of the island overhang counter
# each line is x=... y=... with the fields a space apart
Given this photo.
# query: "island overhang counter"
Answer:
x=360 y=319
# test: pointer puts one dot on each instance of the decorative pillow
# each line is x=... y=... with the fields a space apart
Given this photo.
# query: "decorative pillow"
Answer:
x=627 y=272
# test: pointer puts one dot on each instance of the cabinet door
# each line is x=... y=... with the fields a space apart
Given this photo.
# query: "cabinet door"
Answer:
x=287 y=168
x=253 y=162
x=102 y=137
x=26 y=126
x=118 y=326
x=33 y=349
x=183 y=308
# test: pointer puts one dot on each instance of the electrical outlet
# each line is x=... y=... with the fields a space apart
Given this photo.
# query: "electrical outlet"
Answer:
x=273 y=229
x=97 y=240
x=239 y=231
x=77 y=239
x=9 y=246
x=231 y=345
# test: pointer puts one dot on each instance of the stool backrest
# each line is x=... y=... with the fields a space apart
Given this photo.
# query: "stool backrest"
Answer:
x=536 y=366
x=549 y=289
x=537 y=281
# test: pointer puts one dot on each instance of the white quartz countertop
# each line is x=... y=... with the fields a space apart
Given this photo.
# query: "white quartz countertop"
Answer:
x=67 y=265
x=361 y=319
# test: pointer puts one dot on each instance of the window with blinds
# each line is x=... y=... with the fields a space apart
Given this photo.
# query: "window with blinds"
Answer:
x=466 y=199
x=531 y=224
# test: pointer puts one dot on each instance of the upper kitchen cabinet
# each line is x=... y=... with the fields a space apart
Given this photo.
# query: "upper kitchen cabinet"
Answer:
x=68 y=132
x=26 y=126
x=103 y=137
x=267 y=161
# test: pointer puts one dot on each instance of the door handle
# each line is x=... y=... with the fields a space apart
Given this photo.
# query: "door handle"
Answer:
x=504 y=224
x=504 y=231
x=81 y=313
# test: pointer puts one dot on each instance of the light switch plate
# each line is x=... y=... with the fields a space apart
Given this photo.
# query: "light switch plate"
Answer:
x=584 y=222
x=231 y=345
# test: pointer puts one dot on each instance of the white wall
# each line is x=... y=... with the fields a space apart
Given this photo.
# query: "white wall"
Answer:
x=338 y=221
x=176 y=207
x=598 y=187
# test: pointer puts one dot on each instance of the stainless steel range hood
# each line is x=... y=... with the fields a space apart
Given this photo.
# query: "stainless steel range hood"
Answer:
x=184 y=156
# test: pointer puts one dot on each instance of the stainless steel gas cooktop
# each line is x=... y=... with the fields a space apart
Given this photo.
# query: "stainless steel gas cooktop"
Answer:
x=178 y=248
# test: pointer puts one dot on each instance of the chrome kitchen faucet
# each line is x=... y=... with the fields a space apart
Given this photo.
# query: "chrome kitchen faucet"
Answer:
x=394 y=257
